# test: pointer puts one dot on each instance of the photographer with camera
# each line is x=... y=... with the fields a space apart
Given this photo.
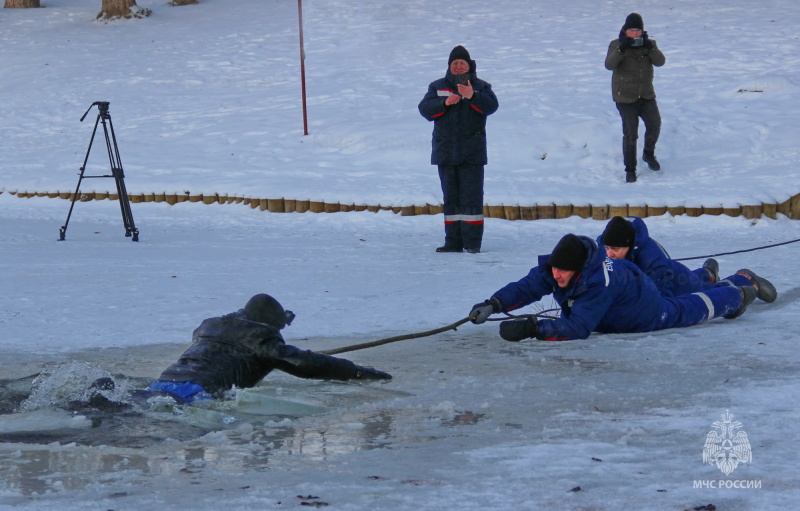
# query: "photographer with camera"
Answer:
x=458 y=105
x=631 y=57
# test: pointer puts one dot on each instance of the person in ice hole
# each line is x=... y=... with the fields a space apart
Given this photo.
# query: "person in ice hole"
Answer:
x=239 y=350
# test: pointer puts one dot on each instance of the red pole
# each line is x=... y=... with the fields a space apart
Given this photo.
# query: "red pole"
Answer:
x=302 y=66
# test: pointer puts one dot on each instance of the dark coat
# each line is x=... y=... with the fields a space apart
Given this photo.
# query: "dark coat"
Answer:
x=610 y=296
x=234 y=351
x=633 y=71
x=459 y=131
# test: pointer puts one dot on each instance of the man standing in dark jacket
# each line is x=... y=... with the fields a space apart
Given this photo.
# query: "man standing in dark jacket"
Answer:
x=631 y=57
x=600 y=294
x=458 y=104
x=241 y=348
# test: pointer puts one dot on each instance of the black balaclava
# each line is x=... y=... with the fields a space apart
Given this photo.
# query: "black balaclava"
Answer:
x=263 y=308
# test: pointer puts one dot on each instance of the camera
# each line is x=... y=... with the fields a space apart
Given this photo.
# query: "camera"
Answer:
x=462 y=79
x=637 y=41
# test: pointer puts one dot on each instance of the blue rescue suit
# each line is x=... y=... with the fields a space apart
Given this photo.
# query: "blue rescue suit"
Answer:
x=612 y=296
x=459 y=149
x=671 y=277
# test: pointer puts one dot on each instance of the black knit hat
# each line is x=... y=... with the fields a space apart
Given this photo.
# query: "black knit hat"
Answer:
x=459 y=52
x=265 y=309
x=619 y=233
x=570 y=254
x=634 y=20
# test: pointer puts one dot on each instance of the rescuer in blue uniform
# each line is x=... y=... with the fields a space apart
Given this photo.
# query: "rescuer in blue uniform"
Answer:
x=600 y=294
x=628 y=238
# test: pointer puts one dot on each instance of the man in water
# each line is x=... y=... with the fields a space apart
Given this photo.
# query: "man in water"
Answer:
x=240 y=349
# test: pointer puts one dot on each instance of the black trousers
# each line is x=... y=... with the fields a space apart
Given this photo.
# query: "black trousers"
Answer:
x=462 y=187
x=630 y=113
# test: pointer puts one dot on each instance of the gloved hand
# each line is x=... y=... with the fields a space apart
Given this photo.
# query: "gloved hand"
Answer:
x=647 y=44
x=481 y=311
x=367 y=373
x=518 y=329
x=625 y=44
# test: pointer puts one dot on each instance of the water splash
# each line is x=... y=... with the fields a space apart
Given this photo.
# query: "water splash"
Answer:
x=59 y=385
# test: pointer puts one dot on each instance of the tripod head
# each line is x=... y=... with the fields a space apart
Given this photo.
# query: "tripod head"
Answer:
x=102 y=107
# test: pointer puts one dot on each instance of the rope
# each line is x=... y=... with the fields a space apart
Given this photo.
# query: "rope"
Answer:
x=380 y=342
x=543 y=314
x=427 y=333
x=737 y=251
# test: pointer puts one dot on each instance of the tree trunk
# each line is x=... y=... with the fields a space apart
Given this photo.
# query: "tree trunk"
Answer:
x=122 y=9
x=21 y=4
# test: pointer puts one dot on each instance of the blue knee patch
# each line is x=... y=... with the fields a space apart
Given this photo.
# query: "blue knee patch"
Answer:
x=187 y=391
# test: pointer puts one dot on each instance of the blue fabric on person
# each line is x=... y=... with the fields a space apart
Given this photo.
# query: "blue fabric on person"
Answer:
x=671 y=277
x=612 y=296
x=187 y=391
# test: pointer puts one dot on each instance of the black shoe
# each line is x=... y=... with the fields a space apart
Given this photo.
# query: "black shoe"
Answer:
x=712 y=267
x=766 y=291
x=473 y=250
x=630 y=176
x=650 y=160
x=748 y=296
x=445 y=248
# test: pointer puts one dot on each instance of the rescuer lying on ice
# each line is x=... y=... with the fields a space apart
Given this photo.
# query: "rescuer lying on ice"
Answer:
x=600 y=294
x=628 y=238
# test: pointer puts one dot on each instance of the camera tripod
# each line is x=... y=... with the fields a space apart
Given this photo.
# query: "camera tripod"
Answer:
x=116 y=171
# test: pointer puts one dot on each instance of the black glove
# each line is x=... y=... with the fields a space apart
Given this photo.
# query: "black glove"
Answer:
x=481 y=311
x=625 y=44
x=518 y=329
x=647 y=44
x=367 y=373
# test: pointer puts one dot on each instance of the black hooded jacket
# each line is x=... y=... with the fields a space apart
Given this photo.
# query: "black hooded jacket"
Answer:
x=235 y=351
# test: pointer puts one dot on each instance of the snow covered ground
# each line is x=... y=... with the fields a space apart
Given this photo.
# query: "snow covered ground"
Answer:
x=206 y=98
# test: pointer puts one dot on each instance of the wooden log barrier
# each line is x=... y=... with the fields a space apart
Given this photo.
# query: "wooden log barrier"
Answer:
x=752 y=211
x=600 y=212
x=790 y=207
x=770 y=210
x=795 y=207
x=511 y=212
x=582 y=211
x=640 y=211
x=617 y=211
x=563 y=211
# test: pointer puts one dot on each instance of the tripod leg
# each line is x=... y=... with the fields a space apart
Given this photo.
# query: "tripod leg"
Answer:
x=63 y=230
x=119 y=178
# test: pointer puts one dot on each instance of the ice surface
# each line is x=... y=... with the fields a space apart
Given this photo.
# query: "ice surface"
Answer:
x=206 y=98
